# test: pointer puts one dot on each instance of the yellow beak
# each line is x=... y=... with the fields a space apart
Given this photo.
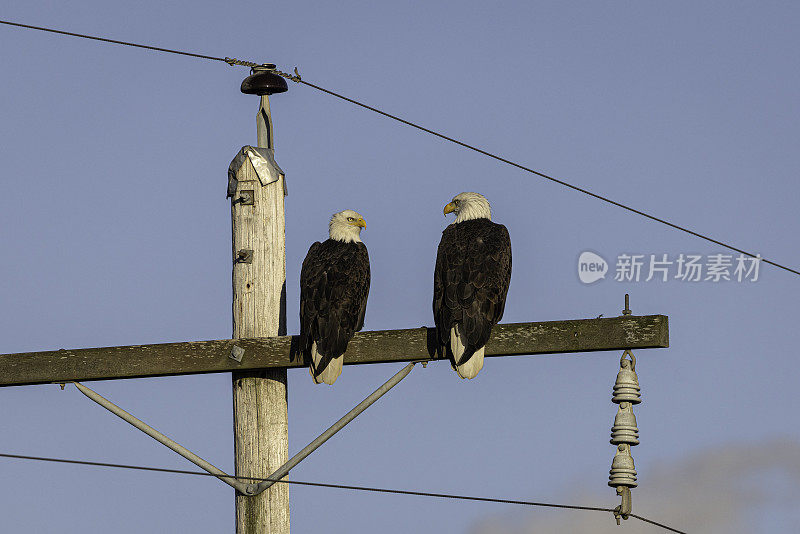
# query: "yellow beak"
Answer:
x=450 y=208
x=361 y=223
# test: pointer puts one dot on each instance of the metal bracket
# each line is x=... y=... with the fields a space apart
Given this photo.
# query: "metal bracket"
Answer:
x=244 y=256
x=282 y=471
x=246 y=197
x=237 y=353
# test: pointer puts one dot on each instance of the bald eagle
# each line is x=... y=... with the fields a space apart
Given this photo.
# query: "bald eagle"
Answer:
x=470 y=282
x=334 y=284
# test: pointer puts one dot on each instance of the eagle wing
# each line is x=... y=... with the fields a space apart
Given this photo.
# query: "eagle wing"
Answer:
x=334 y=285
x=471 y=278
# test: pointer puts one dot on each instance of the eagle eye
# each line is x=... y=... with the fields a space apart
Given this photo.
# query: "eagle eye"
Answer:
x=351 y=219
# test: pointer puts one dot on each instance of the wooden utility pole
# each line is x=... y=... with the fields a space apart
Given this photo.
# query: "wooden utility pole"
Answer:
x=260 y=418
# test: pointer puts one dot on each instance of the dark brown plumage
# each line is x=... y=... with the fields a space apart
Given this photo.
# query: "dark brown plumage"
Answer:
x=334 y=285
x=470 y=283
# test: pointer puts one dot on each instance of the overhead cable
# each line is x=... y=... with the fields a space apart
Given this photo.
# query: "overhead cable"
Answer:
x=297 y=78
x=336 y=486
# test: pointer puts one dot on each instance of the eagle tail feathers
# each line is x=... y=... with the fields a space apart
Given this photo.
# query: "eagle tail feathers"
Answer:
x=458 y=345
x=330 y=373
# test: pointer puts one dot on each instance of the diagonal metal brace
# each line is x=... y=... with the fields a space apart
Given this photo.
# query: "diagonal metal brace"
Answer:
x=242 y=487
x=255 y=489
x=161 y=438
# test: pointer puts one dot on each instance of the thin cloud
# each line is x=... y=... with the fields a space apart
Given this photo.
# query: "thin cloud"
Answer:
x=734 y=489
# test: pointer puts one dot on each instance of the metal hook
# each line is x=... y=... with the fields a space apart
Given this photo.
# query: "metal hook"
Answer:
x=633 y=359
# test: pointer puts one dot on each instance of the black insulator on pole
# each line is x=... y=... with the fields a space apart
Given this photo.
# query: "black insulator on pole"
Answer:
x=263 y=80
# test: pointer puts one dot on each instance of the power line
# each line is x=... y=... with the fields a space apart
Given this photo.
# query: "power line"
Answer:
x=156 y=48
x=551 y=178
x=336 y=486
x=655 y=523
x=298 y=79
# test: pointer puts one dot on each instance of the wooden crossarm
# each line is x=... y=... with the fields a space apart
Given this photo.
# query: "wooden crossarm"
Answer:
x=380 y=346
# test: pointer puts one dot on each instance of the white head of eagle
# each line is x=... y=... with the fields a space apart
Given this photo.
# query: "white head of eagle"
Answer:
x=470 y=282
x=334 y=285
x=469 y=206
x=346 y=226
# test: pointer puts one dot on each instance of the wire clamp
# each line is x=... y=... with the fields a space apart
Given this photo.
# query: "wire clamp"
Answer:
x=232 y=61
x=625 y=508
x=296 y=78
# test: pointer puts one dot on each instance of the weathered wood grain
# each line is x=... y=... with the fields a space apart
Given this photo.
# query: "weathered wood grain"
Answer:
x=550 y=337
x=260 y=416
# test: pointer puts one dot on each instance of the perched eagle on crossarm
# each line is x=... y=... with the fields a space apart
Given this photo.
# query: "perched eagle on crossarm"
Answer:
x=470 y=282
x=334 y=284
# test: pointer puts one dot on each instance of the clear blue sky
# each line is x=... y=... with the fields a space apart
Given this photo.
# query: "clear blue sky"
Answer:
x=115 y=230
